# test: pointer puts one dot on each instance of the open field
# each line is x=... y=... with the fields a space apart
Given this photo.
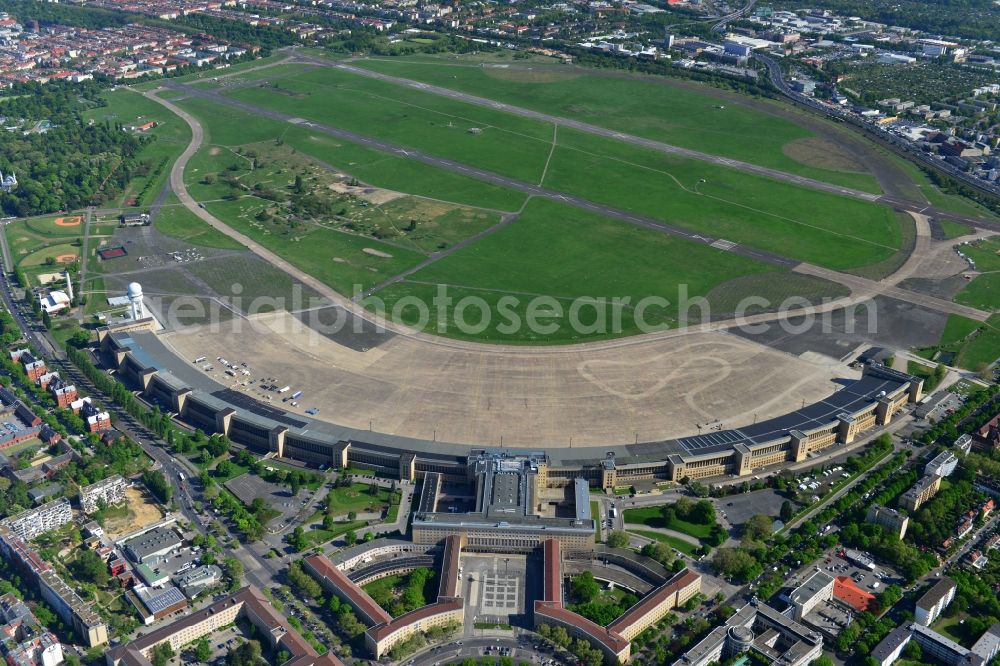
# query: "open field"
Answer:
x=514 y=263
x=672 y=541
x=966 y=343
x=293 y=193
x=178 y=222
x=838 y=232
x=369 y=166
x=684 y=115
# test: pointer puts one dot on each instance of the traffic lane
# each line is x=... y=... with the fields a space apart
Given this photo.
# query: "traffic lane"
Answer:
x=492 y=178
x=456 y=651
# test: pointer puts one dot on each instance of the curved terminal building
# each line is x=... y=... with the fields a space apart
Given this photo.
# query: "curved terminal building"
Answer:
x=145 y=364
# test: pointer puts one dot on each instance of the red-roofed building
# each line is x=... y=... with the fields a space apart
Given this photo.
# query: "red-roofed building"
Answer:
x=335 y=581
x=846 y=591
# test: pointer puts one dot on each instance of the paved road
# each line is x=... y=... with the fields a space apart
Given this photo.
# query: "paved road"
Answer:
x=84 y=260
x=474 y=647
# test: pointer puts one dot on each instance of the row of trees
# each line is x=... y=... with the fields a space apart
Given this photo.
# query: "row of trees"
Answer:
x=580 y=648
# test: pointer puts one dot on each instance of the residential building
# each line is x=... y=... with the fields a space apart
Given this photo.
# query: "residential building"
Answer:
x=935 y=600
x=943 y=464
x=890 y=520
x=23 y=640
x=922 y=490
x=249 y=604
x=31 y=522
x=60 y=596
x=937 y=648
x=108 y=492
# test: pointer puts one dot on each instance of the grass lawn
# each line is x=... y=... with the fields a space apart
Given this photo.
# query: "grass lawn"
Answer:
x=225 y=126
x=334 y=257
x=982 y=293
x=983 y=348
x=178 y=222
x=791 y=221
x=955 y=203
x=959 y=333
x=653 y=517
x=953 y=229
x=924 y=371
x=680 y=114
x=357 y=497
x=837 y=232
x=317 y=536
x=672 y=541
x=475 y=135
x=986 y=254
x=515 y=264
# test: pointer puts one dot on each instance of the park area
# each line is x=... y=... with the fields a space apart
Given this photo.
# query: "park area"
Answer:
x=358 y=218
x=684 y=525
x=43 y=247
x=402 y=593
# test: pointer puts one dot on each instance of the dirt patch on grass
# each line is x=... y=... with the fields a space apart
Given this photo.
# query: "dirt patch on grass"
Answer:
x=373 y=195
x=214 y=150
x=74 y=221
x=821 y=153
x=142 y=511
x=66 y=258
x=377 y=253
x=529 y=74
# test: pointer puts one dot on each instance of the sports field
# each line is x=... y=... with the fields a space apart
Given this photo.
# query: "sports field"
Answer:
x=43 y=246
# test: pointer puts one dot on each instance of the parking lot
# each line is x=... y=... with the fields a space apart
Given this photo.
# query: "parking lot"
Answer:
x=247 y=487
x=739 y=508
x=870 y=581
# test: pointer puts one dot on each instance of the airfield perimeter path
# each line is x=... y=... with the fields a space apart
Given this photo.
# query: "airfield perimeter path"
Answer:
x=776 y=174
x=862 y=289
